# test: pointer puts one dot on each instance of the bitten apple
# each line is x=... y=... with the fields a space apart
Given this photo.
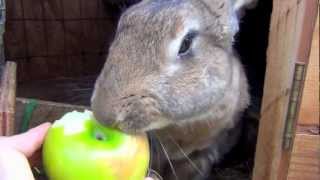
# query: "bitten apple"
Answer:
x=76 y=147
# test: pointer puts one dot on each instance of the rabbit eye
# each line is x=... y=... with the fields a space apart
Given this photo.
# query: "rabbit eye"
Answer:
x=186 y=43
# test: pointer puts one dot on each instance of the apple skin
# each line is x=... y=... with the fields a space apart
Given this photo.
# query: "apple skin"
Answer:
x=78 y=148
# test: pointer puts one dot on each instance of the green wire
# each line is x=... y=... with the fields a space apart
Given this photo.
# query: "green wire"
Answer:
x=27 y=114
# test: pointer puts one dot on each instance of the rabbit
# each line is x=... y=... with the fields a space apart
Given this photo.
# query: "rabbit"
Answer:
x=172 y=72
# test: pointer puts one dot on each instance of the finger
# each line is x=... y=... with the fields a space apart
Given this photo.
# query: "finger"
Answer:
x=148 y=178
x=28 y=142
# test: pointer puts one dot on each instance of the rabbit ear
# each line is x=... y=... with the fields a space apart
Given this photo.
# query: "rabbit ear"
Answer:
x=238 y=5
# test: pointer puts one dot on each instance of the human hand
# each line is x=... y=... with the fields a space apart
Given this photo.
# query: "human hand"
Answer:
x=16 y=150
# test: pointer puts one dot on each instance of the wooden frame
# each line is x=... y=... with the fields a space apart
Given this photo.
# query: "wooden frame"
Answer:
x=45 y=111
x=310 y=106
x=289 y=46
x=292 y=24
x=7 y=98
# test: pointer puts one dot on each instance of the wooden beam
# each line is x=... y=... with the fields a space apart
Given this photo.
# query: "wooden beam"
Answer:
x=305 y=161
x=308 y=129
x=288 y=25
x=310 y=107
x=7 y=99
x=44 y=111
x=306 y=19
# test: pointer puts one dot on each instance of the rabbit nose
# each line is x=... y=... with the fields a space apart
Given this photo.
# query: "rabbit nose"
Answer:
x=104 y=115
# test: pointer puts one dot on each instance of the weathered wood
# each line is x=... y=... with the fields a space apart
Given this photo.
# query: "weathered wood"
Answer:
x=44 y=111
x=310 y=107
x=284 y=50
x=305 y=160
x=308 y=129
x=7 y=99
x=307 y=17
x=2 y=28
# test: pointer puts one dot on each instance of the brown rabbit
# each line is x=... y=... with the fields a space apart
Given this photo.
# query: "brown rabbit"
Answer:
x=171 y=71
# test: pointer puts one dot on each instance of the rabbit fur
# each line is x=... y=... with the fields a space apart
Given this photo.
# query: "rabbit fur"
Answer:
x=191 y=101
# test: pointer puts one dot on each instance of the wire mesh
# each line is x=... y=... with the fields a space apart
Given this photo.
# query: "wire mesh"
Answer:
x=57 y=38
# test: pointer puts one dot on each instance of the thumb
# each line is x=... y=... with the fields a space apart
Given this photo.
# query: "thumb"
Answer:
x=28 y=142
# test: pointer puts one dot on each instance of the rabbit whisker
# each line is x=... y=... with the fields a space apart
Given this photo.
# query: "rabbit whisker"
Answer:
x=155 y=146
x=167 y=156
x=187 y=157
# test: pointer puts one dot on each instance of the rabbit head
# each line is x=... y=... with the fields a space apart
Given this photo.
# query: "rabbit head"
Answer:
x=171 y=62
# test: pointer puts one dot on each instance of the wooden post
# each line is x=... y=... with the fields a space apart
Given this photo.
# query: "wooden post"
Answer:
x=292 y=24
x=310 y=107
x=7 y=99
x=45 y=111
x=2 y=29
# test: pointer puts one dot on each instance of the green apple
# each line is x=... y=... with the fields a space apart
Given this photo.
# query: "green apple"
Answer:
x=76 y=147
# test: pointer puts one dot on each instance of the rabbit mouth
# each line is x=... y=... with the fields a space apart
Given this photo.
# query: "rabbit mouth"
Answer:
x=139 y=113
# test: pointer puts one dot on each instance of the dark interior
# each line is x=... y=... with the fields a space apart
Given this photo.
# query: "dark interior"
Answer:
x=251 y=45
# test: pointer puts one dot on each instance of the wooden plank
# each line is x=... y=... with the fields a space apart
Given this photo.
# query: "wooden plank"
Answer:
x=287 y=27
x=308 y=129
x=2 y=29
x=305 y=161
x=7 y=99
x=45 y=111
x=309 y=112
x=307 y=17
